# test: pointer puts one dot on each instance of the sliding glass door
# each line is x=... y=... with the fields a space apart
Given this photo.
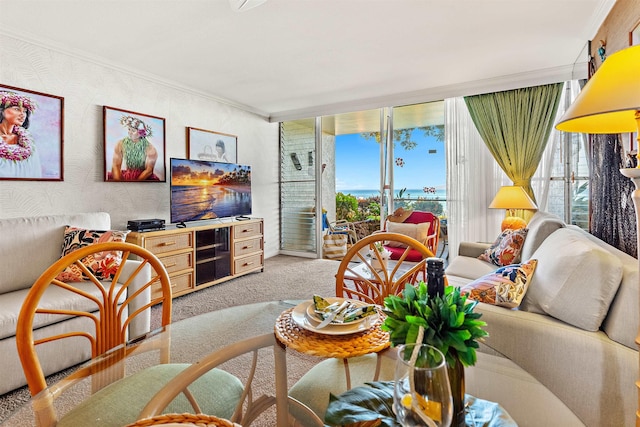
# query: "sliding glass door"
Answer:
x=393 y=156
x=299 y=221
x=377 y=159
x=418 y=172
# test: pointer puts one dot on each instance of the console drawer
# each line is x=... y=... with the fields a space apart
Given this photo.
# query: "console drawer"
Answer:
x=248 y=246
x=168 y=243
x=179 y=283
x=178 y=262
x=247 y=263
x=240 y=231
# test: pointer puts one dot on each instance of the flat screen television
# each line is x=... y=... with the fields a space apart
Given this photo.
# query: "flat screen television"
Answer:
x=203 y=190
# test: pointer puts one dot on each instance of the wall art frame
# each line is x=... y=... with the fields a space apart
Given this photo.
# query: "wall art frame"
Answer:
x=634 y=34
x=212 y=146
x=31 y=135
x=134 y=146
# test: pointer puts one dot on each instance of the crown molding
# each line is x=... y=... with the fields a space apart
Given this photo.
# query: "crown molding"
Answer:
x=574 y=71
x=96 y=60
x=598 y=17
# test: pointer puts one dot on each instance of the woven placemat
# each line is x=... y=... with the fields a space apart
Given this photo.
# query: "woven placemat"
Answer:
x=296 y=337
x=199 y=420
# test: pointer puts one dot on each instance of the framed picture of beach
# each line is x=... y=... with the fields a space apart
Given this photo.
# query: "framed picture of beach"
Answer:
x=134 y=146
x=31 y=135
x=211 y=146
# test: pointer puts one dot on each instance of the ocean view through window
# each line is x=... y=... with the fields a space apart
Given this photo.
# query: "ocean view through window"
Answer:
x=344 y=153
x=419 y=175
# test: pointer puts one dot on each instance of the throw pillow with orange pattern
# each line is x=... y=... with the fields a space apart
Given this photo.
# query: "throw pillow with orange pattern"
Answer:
x=505 y=287
x=506 y=249
x=102 y=264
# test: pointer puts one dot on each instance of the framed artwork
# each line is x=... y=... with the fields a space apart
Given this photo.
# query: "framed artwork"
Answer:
x=134 y=146
x=31 y=135
x=634 y=35
x=212 y=146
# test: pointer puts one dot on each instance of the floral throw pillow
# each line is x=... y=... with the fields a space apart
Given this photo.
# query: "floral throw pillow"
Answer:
x=505 y=287
x=102 y=264
x=506 y=249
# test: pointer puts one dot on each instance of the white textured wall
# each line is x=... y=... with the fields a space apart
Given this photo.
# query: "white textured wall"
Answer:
x=86 y=87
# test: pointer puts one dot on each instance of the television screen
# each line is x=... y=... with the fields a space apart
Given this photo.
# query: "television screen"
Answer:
x=206 y=190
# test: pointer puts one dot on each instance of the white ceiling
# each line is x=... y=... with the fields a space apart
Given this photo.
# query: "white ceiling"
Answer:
x=288 y=59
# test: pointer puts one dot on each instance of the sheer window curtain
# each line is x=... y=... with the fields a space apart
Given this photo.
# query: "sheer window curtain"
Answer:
x=473 y=179
x=540 y=182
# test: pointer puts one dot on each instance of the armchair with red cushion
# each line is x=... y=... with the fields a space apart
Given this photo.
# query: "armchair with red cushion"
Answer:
x=422 y=226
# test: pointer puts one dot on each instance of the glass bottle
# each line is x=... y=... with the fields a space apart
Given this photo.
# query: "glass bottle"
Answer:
x=435 y=276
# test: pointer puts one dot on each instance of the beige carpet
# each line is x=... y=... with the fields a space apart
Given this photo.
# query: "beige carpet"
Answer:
x=284 y=278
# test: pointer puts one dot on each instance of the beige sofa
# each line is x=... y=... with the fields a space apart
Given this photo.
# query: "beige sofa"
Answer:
x=574 y=332
x=28 y=246
x=541 y=367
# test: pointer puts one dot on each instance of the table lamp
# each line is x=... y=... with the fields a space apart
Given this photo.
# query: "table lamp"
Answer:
x=512 y=197
x=610 y=103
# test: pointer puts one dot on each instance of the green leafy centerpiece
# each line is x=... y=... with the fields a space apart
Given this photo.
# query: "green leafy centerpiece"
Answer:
x=449 y=322
x=446 y=322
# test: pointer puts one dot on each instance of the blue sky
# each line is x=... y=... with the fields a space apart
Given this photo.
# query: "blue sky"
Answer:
x=358 y=163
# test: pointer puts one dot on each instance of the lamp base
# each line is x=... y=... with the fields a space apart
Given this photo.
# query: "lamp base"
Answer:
x=631 y=172
x=634 y=175
x=513 y=223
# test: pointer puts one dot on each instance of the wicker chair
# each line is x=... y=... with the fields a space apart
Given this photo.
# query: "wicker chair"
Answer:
x=360 y=277
x=103 y=310
x=200 y=420
x=248 y=408
x=104 y=304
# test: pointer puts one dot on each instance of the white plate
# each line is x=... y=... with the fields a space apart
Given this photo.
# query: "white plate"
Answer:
x=314 y=318
x=299 y=315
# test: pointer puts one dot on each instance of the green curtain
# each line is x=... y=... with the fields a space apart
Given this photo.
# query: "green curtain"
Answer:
x=515 y=125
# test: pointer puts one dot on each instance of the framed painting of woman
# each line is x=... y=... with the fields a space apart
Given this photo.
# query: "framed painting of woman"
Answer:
x=211 y=146
x=31 y=135
x=134 y=146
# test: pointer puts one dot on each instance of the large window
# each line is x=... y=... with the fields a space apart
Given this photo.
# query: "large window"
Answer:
x=568 y=177
x=406 y=170
x=419 y=164
x=569 y=186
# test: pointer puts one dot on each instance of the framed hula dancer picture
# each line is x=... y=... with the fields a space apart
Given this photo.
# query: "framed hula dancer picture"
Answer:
x=211 y=146
x=134 y=146
x=31 y=135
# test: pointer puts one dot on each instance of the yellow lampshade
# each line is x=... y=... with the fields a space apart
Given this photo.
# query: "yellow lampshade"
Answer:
x=512 y=197
x=610 y=99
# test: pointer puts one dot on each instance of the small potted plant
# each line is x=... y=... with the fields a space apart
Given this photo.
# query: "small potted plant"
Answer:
x=379 y=256
x=446 y=322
